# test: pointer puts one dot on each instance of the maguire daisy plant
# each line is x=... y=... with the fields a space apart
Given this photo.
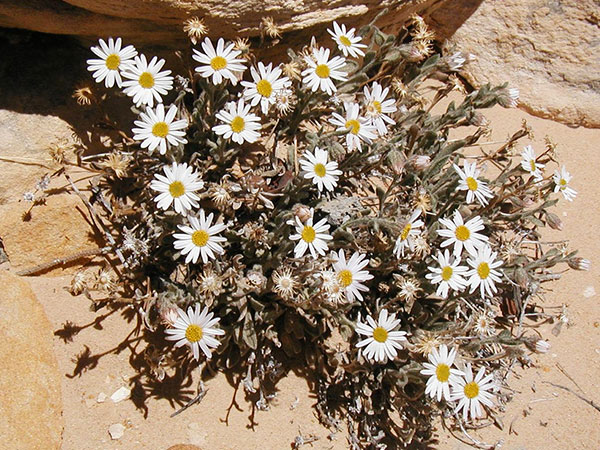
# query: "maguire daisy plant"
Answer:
x=315 y=213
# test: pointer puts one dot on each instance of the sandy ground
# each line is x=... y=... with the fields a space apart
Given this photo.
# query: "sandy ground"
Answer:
x=541 y=416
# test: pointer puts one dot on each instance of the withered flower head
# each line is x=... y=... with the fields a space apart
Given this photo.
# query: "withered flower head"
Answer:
x=195 y=29
x=84 y=95
x=269 y=28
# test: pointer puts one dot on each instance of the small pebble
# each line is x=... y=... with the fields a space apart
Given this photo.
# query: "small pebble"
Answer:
x=589 y=292
x=120 y=394
x=116 y=431
x=101 y=397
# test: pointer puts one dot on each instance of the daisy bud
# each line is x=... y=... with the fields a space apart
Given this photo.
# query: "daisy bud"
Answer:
x=455 y=61
x=554 y=221
x=396 y=161
x=522 y=278
x=479 y=120
x=579 y=263
x=542 y=346
x=168 y=314
x=419 y=162
x=508 y=97
x=302 y=212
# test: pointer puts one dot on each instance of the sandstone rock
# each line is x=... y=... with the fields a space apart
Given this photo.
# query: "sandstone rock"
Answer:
x=547 y=49
x=160 y=21
x=31 y=405
x=56 y=229
x=184 y=447
x=24 y=156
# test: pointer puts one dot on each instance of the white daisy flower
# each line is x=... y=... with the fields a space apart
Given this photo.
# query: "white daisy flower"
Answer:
x=483 y=273
x=240 y=124
x=561 y=181
x=322 y=173
x=177 y=186
x=346 y=41
x=267 y=82
x=145 y=82
x=409 y=232
x=350 y=274
x=529 y=164
x=358 y=127
x=220 y=63
x=476 y=189
x=112 y=60
x=382 y=341
x=199 y=239
x=462 y=234
x=157 y=129
x=378 y=107
x=321 y=70
x=311 y=237
x=471 y=393
x=449 y=274
x=196 y=330
x=440 y=371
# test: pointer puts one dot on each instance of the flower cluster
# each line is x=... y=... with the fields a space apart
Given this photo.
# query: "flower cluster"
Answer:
x=288 y=202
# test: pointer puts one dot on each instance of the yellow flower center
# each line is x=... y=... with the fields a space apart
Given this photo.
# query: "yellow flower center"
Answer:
x=446 y=273
x=345 y=41
x=237 y=124
x=218 y=63
x=200 y=238
x=160 y=129
x=345 y=278
x=563 y=182
x=264 y=88
x=532 y=165
x=146 y=80
x=405 y=232
x=308 y=234
x=483 y=270
x=193 y=333
x=112 y=61
x=380 y=334
x=320 y=170
x=353 y=125
x=462 y=233
x=374 y=107
x=471 y=390
x=322 y=71
x=471 y=183
x=442 y=372
x=176 y=189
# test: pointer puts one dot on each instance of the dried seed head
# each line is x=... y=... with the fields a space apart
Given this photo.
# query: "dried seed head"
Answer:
x=195 y=29
x=292 y=70
x=105 y=282
x=84 y=95
x=243 y=45
x=117 y=162
x=285 y=100
x=269 y=28
x=78 y=283
x=426 y=342
x=284 y=283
